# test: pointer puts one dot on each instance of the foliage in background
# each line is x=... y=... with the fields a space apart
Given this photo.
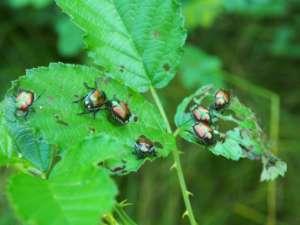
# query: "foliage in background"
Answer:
x=233 y=187
x=204 y=12
x=198 y=68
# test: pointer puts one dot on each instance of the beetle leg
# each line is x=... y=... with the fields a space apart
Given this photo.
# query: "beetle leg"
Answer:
x=26 y=115
x=83 y=113
x=87 y=86
x=79 y=100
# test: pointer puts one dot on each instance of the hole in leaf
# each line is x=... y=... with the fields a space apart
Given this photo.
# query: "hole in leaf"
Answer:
x=122 y=68
x=156 y=34
x=92 y=130
x=166 y=67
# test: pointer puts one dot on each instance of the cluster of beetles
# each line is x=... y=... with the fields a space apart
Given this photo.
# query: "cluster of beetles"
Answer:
x=202 y=127
x=94 y=101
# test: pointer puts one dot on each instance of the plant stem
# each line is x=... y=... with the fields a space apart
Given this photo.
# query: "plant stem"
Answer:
x=160 y=108
x=177 y=163
x=274 y=136
x=111 y=219
x=126 y=220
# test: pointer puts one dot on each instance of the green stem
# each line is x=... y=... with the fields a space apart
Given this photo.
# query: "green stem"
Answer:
x=176 y=132
x=126 y=220
x=161 y=109
x=274 y=136
x=177 y=163
x=111 y=219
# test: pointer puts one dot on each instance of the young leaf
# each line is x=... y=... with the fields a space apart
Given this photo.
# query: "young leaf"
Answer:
x=235 y=130
x=78 y=197
x=139 y=42
x=55 y=117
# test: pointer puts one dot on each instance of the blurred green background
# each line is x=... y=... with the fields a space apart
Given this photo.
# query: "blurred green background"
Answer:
x=250 y=46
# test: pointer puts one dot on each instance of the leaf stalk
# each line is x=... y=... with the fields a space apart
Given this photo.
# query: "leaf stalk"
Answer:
x=177 y=163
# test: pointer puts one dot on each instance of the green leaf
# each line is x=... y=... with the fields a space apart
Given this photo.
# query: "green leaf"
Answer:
x=78 y=197
x=6 y=146
x=28 y=142
x=139 y=42
x=237 y=133
x=70 y=40
x=198 y=68
x=55 y=118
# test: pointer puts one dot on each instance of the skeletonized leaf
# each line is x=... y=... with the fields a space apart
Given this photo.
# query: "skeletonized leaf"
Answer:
x=272 y=168
x=236 y=131
x=139 y=42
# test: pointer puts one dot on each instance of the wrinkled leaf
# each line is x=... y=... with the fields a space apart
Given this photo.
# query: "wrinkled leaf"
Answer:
x=139 y=42
x=237 y=133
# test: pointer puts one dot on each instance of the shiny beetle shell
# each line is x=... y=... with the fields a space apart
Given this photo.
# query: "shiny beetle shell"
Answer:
x=119 y=111
x=24 y=100
x=201 y=114
x=222 y=98
x=204 y=132
x=144 y=147
x=94 y=100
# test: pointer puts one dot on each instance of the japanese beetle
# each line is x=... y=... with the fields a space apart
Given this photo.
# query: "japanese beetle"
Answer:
x=222 y=98
x=145 y=148
x=204 y=133
x=24 y=102
x=120 y=111
x=94 y=101
x=201 y=114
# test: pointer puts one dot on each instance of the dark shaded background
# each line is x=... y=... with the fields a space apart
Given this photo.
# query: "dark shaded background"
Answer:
x=254 y=40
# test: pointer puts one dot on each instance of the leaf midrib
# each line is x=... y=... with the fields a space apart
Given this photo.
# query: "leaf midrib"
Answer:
x=133 y=43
